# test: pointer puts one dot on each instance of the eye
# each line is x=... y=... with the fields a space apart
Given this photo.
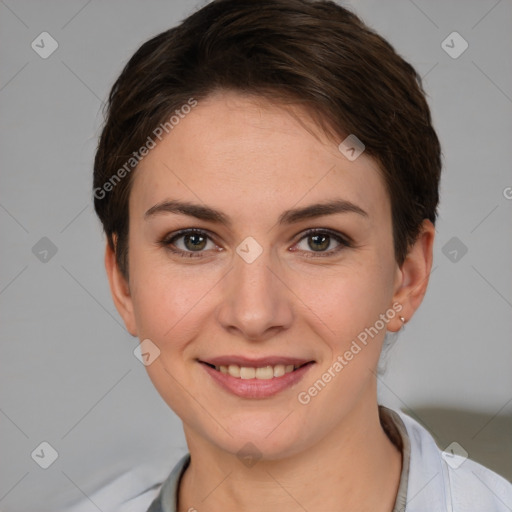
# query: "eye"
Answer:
x=189 y=243
x=192 y=243
x=321 y=241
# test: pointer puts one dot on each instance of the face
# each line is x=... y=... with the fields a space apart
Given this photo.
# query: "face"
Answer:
x=254 y=241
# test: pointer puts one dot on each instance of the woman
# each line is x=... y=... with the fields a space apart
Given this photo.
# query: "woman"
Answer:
x=267 y=179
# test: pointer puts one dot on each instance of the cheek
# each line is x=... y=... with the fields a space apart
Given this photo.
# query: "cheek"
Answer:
x=346 y=301
x=169 y=300
x=160 y=304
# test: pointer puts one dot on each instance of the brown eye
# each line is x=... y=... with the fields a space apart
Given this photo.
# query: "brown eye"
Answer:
x=189 y=243
x=322 y=242
x=319 y=242
x=195 y=242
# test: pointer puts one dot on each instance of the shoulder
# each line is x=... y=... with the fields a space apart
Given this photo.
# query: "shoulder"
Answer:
x=131 y=491
x=452 y=482
x=143 y=488
x=475 y=487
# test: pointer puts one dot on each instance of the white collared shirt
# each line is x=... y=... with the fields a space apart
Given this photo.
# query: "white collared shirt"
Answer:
x=435 y=481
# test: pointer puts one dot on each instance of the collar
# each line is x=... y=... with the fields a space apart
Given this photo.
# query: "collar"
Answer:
x=392 y=423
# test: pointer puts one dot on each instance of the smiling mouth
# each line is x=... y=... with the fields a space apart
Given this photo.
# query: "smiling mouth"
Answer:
x=261 y=373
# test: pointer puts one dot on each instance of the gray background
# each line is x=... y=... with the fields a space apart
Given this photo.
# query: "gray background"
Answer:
x=69 y=376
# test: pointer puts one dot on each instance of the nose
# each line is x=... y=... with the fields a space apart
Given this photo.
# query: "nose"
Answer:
x=256 y=302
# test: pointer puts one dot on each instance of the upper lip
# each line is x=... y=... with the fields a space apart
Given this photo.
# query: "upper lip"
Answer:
x=255 y=362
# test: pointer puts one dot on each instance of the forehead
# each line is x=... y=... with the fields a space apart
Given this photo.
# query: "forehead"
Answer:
x=247 y=154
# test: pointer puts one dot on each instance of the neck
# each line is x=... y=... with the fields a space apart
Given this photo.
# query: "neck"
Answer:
x=354 y=468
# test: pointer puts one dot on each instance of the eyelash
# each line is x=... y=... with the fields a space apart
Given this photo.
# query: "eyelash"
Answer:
x=168 y=241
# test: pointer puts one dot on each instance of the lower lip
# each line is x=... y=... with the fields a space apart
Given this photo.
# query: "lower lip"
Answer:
x=256 y=388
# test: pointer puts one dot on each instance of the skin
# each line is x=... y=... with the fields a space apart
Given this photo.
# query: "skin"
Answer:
x=252 y=160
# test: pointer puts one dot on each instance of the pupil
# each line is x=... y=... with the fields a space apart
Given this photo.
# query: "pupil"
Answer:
x=195 y=242
x=321 y=241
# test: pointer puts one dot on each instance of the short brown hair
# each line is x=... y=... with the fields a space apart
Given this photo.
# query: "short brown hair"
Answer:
x=316 y=54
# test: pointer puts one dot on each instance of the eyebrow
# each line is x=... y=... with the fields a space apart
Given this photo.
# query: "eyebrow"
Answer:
x=288 y=217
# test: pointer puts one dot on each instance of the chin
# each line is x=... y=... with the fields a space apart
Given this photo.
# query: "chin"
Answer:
x=261 y=440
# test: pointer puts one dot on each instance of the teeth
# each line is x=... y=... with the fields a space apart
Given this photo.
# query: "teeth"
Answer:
x=279 y=370
x=247 y=373
x=263 y=373
x=234 y=370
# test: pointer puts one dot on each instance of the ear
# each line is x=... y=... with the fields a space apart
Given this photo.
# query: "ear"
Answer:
x=413 y=276
x=120 y=290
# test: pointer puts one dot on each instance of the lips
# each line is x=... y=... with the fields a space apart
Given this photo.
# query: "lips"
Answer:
x=255 y=362
x=256 y=378
x=241 y=368
x=260 y=372
x=261 y=368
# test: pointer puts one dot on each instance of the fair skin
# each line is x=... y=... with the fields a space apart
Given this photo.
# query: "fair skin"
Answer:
x=252 y=161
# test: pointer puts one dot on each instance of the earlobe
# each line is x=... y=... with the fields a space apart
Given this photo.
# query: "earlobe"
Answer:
x=120 y=290
x=413 y=276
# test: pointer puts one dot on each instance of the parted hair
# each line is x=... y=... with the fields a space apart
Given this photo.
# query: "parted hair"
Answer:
x=313 y=54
